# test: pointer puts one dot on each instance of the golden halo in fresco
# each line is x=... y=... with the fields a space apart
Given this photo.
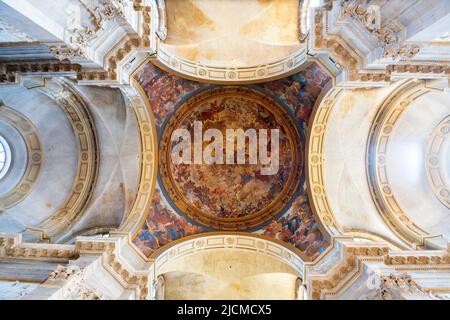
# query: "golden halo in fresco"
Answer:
x=222 y=195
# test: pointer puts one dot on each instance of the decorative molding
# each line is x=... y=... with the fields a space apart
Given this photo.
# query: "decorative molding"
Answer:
x=263 y=214
x=63 y=273
x=200 y=72
x=436 y=260
x=439 y=295
x=75 y=286
x=345 y=272
x=11 y=246
x=342 y=52
x=144 y=23
x=389 y=35
x=161 y=32
x=158 y=288
x=35 y=157
x=404 y=51
x=115 y=264
x=368 y=14
x=63 y=52
x=435 y=164
x=123 y=25
x=82 y=267
x=118 y=54
x=315 y=162
x=394 y=287
x=83 y=256
x=216 y=241
x=136 y=99
x=88 y=20
x=388 y=44
x=397 y=273
x=388 y=281
x=12 y=72
x=417 y=70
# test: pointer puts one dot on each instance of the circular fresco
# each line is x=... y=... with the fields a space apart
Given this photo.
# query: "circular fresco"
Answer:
x=231 y=158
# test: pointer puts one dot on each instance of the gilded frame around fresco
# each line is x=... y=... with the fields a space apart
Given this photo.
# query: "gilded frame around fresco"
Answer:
x=256 y=218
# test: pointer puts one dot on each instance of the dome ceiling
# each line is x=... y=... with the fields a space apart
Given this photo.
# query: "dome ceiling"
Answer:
x=191 y=198
x=420 y=186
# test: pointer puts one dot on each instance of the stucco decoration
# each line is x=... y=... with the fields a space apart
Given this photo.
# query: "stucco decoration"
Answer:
x=232 y=196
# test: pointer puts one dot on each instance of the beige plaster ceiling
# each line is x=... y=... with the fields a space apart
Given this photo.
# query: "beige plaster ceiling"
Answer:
x=229 y=33
x=270 y=286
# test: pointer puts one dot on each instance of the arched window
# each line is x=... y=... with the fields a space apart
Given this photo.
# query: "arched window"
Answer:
x=5 y=157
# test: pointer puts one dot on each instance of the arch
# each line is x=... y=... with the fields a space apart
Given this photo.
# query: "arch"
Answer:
x=215 y=244
x=69 y=100
x=34 y=157
x=315 y=165
x=381 y=190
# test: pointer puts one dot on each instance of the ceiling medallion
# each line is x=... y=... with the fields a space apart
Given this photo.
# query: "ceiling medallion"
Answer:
x=220 y=180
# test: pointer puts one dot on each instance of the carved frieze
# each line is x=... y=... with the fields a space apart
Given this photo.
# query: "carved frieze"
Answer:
x=64 y=52
x=394 y=287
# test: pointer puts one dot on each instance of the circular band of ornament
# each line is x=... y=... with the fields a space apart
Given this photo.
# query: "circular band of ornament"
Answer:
x=226 y=196
x=225 y=75
x=34 y=157
x=435 y=162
